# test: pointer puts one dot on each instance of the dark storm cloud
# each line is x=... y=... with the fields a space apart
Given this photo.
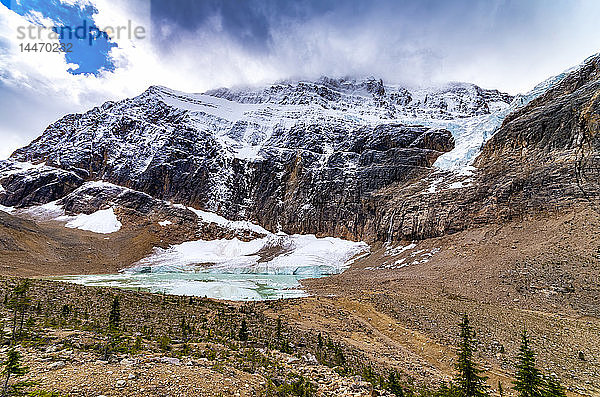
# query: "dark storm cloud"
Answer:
x=252 y=22
x=402 y=40
x=248 y=22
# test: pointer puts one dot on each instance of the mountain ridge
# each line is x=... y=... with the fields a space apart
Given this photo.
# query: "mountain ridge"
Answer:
x=511 y=239
x=242 y=150
x=301 y=157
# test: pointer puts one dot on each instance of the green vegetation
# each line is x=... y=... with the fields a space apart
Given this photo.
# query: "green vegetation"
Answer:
x=114 y=317
x=394 y=386
x=115 y=337
x=332 y=355
x=298 y=386
x=229 y=335
x=19 y=302
x=44 y=393
x=553 y=388
x=469 y=381
x=529 y=380
x=243 y=333
x=12 y=368
x=164 y=342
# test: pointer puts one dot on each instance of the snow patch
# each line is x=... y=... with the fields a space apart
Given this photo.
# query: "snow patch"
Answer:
x=15 y=167
x=102 y=221
x=395 y=251
x=165 y=223
x=211 y=217
x=9 y=210
x=206 y=104
x=100 y=184
x=433 y=187
x=415 y=257
x=460 y=184
x=48 y=211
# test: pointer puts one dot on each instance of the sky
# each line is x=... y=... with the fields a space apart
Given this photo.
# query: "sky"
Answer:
x=196 y=45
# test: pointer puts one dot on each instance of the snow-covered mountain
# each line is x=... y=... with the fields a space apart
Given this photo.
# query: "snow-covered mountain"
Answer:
x=244 y=122
x=297 y=156
x=277 y=152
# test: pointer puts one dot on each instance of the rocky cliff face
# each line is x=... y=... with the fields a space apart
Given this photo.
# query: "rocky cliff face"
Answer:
x=543 y=158
x=348 y=158
x=300 y=157
x=26 y=185
x=547 y=153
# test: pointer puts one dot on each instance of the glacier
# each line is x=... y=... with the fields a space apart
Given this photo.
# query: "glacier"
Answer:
x=219 y=127
x=456 y=107
x=472 y=133
x=269 y=266
x=274 y=254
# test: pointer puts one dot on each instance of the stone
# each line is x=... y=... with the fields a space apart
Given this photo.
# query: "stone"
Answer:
x=324 y=175
x=127 y=362
x=309 y=177
x=171 y=360
x=57 y=365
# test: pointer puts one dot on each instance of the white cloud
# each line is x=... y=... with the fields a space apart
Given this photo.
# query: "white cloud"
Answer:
x=10 y=141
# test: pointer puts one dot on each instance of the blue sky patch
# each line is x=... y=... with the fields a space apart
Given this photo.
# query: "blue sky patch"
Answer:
x=75 y=24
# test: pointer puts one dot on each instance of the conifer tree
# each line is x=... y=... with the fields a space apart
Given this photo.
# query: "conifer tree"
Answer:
x=394 y=386
x=114 y=334
x=19 y=302
x=447 y=390
x=553 y=388
x=12 y=368
x=243 y=334
x=469 y=381
x=529 y=381
x=114 y=317
x=279 y=328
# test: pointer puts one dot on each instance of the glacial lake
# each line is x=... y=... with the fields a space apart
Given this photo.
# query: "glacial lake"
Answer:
x=229 y=286
x=260 y=269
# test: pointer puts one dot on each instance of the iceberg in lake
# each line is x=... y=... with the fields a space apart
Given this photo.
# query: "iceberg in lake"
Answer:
x=304 y=255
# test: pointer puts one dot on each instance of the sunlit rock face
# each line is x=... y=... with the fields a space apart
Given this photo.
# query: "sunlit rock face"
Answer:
x=544 y=158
